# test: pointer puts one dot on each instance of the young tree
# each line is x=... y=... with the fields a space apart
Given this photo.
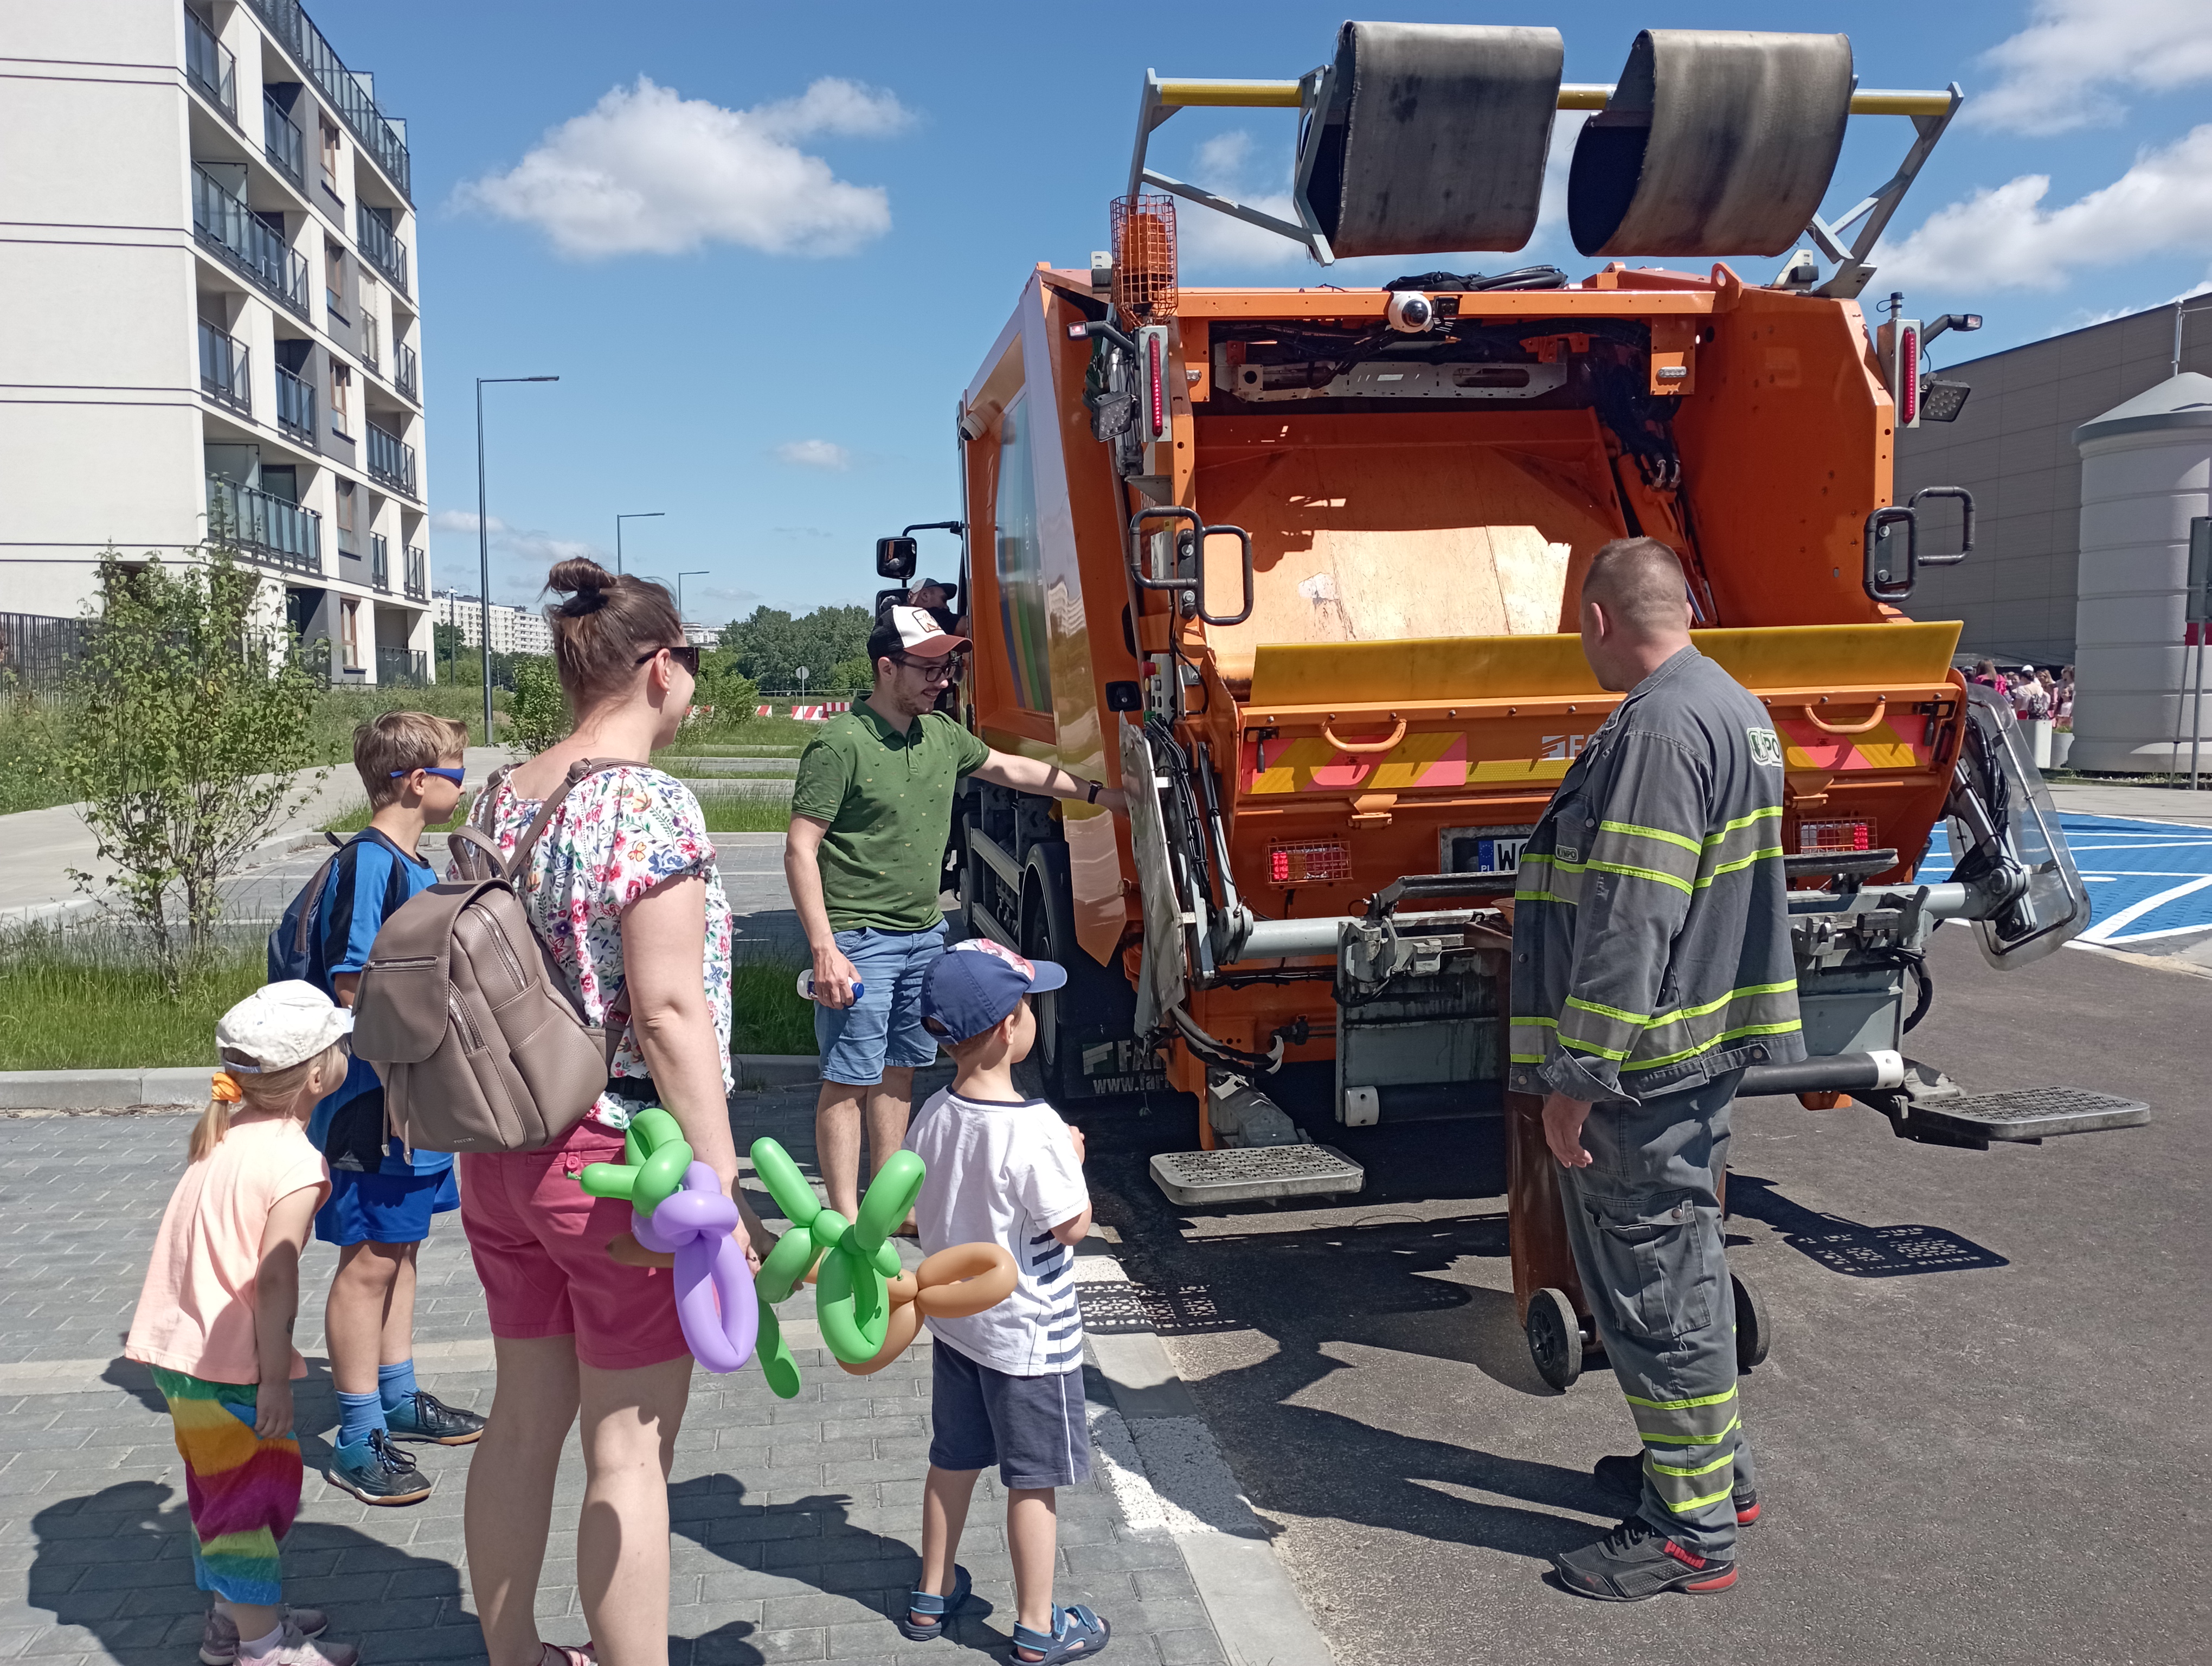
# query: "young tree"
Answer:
x=193 y=721
x=537 y=710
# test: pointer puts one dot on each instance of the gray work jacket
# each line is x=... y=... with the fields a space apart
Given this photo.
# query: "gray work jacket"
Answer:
x=1650 y=922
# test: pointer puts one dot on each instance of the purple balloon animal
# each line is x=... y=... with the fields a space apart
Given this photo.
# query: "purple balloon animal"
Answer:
x=713 y=1286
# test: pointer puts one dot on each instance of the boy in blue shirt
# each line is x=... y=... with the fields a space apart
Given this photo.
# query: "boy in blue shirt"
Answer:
x=381 y=1196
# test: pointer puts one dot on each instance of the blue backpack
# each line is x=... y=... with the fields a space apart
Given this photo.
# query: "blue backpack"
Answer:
x=290 y=953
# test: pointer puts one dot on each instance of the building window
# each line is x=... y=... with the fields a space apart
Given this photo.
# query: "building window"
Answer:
x=341 y=396
x=350 y=630
x=334 y=279
x=330 y=156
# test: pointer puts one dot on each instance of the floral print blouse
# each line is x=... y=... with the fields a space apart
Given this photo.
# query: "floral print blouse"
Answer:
x=619 y=835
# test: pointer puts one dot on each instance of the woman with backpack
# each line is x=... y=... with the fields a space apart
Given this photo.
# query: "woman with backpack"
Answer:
x=622 y=890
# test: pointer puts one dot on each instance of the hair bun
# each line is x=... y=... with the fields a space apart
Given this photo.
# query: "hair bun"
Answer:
x=584 y=579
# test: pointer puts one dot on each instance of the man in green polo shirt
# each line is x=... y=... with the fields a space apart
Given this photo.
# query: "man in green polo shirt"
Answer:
x=864 y=859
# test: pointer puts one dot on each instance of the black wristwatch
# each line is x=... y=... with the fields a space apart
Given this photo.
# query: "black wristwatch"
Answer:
x=1096 y=787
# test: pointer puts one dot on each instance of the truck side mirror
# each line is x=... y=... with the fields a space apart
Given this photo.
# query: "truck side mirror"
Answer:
x=896 y=557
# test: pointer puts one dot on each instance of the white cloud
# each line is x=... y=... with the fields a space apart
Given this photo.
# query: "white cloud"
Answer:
x=814 y=454
x=2004 y=238
x=647 y=170
x=514 y=543
x=2066 y=69
x=1211 y=241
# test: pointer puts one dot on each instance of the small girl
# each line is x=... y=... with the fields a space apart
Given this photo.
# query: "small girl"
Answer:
x=215 y=1318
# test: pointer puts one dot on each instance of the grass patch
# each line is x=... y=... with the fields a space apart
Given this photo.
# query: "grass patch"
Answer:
x=356 y=817
x=87 y=997
x=760 y=736
x=745 y=812
x=766 y=1013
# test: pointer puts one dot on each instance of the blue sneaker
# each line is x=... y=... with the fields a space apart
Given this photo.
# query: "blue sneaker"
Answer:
x=423 y=1416
x=377 y=1472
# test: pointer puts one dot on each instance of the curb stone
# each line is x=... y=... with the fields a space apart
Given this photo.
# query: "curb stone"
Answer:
x=97 y=1090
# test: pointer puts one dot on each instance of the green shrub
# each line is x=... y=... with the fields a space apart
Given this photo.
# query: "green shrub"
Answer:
x=539 y=708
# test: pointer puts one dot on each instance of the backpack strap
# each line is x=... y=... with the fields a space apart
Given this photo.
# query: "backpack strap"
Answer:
x=311 y=904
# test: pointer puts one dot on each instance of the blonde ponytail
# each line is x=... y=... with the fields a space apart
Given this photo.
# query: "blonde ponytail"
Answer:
x=280 y=1090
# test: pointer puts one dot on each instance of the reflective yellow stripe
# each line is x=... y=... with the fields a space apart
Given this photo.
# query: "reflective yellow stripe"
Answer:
x=1740 y=865
x=1526 y=1058
x=1734 y=1423
x=1742 y=822
x=1616 y=1053
x=1744 y=994
x=1577 y=1002
x=1736 y=1034
x=1653 y=874
x=1658 y=833
x=1685 y=1469
x=1681 y=1405
x=1688 y=1504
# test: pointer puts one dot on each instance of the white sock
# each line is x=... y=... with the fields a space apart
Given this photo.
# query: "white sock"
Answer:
x=264 y=1646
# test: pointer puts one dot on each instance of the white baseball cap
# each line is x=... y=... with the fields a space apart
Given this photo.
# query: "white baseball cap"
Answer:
x=281 y=1024
x=920 y=635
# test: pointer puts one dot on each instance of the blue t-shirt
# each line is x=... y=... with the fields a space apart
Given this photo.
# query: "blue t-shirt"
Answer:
x=369 y=881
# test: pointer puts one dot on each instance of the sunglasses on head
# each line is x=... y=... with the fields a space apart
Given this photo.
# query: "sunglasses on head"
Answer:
x=685 y=654
x=453 y=776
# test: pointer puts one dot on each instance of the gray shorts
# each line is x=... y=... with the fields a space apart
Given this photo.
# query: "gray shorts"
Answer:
x=1031 y=1427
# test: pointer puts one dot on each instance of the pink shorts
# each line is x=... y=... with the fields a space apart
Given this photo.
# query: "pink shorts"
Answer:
x=540 y=1245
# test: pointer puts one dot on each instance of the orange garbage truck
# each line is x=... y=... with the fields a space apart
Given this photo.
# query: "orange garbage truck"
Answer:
x=1299 y=567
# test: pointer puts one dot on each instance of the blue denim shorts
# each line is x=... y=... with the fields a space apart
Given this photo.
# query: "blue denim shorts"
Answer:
x=883 y=1029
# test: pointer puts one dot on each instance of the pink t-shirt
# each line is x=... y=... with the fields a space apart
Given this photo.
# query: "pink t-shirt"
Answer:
x=196 y=1310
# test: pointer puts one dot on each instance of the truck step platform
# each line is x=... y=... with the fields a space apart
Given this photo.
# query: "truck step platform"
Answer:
x=1196 y=1178
x=2032 y=1113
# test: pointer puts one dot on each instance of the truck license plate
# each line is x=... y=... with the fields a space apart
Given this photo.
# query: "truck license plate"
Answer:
x=1498 y=855
x=1495 y=849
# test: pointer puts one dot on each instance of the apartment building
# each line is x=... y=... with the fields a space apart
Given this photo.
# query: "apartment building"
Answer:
x=215 y=325
x=513 y=630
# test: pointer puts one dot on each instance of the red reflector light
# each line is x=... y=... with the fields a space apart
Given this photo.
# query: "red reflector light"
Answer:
x=1834 y=836
x=1159 y=409
x=1315 y=862
x=1908 y=375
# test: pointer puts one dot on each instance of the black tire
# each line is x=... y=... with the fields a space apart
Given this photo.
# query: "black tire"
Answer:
x=1555 y=1338
x=1753 y=1334
x=1096 y=1003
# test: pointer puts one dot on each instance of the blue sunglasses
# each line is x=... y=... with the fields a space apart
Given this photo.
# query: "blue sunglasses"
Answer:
x=453 y=776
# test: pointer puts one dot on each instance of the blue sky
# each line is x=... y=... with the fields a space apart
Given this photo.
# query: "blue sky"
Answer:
x=763 y=300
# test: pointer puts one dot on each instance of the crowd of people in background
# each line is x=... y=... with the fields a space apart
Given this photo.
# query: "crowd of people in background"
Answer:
x=2035 y=695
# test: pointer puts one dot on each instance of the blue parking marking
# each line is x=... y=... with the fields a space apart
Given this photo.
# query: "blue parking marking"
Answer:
x=2147 y=880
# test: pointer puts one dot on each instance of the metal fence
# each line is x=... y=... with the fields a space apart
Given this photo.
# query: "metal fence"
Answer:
x=403 y=667
x=35 y=651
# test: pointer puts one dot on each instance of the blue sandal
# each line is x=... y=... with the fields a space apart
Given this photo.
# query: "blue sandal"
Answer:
x=1077 y=1634
x=923 y=1602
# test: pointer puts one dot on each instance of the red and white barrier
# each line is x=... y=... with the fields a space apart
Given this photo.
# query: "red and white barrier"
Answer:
x=822 y=712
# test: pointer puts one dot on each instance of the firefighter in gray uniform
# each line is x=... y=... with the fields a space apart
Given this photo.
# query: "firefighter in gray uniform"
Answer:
x=1652 y=964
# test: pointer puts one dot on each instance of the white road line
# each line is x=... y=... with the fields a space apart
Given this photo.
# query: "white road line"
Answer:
x=2169 y=931
x=2103 y=930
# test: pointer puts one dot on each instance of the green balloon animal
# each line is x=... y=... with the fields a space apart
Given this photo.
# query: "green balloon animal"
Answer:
x=859 y=1262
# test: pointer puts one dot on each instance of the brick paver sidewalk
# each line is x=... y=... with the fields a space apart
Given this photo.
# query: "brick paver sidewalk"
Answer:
x=797 y=1525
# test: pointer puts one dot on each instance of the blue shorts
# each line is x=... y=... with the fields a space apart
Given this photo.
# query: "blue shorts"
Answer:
x=883 y=1029
x=384 y=1208
x=1032 y=1427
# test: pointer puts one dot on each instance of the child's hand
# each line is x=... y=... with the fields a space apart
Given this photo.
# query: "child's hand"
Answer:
x=1075 y=1133
x=272 y=1411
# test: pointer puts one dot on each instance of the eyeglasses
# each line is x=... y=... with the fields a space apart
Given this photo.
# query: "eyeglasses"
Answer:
x=453 y=776
x=942 y=669
x=685 y=654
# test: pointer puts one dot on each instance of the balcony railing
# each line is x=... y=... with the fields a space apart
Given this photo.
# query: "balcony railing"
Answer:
x=380 y=247
x=285 y=146
x=211 y=66
x=391 y=460
x=379 y=562
x=295 y=408
x=418 y=574
x=264 y=528
x=300 y=37
x=227 y=227
x=222 y=368
x=406 y=668
x=403 y=370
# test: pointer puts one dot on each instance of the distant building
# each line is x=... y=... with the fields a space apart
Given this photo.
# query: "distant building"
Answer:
x=213 y=317
x=2012 y=447
x=513 y=630
x=703 y=635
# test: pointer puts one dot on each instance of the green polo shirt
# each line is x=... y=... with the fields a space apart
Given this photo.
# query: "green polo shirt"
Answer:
x=887 y=798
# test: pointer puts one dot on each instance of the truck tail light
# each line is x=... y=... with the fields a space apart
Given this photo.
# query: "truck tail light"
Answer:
x=1309 y=862
x=1908 y=374
x=1824 y=837
x=1158 y=391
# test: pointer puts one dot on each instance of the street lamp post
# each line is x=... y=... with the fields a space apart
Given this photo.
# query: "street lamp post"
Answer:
x=641 y=514
x=483 y=542
x=682 y=618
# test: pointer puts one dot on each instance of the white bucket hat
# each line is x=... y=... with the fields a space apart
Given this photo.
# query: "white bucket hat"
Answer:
x=280 y=1025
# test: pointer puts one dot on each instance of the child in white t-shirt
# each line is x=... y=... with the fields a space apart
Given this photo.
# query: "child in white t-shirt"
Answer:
x=1008 y=1381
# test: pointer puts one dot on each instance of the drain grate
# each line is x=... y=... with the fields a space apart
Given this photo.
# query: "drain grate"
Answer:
x=1123 y=1310
x=2032 y=1113
x=1197 y=1177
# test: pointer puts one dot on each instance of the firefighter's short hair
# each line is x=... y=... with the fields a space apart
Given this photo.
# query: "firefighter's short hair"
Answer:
x=1638 y=581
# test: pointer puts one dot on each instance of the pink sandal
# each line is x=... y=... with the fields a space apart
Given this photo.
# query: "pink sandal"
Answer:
x=557 y=1655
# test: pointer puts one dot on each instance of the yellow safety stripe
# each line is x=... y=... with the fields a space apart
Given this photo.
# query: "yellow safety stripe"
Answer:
x=1736 y=1034
x=1658 y=833
x=1734 y=1423
x=1739 y=865
x=1622 y=868
x=1616 y=1053
x=1688 y=1504
x=1680 y=1404
x=1742 y=822
x=1526 y=1058
x=1663 y=1019
x=1580 y=1005
x=1687 y=1469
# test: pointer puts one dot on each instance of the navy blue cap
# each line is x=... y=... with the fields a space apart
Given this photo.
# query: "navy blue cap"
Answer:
x=976 y=983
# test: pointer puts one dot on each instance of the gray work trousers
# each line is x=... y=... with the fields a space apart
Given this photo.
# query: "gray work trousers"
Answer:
x=1644 y=1222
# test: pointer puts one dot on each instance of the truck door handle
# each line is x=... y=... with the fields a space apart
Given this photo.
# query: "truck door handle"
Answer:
x=1881 y=709
x=1356 y=747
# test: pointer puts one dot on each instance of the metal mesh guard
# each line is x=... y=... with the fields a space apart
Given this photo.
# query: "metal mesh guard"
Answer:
x=1255 y=1171
x=2033 y=1112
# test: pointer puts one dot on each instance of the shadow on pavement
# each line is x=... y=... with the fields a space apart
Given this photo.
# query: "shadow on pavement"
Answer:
x=1855 y=1250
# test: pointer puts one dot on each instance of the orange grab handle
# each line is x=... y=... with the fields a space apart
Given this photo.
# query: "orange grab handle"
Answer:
x=1880 y=708
x=1396 y=735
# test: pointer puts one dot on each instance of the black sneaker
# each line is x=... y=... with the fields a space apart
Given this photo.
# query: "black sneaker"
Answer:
x=423 y=1416
x=377 y=1472
x=1636 y=1560
x=1625 y=1476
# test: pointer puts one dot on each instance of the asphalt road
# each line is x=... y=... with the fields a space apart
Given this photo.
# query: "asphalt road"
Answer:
x=1982 y=1427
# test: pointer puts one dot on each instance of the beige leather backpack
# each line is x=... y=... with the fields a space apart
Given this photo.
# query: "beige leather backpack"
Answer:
x=464 y=1013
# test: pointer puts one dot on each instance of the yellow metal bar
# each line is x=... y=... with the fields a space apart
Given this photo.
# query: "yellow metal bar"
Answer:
x=1244 y=94
x=1573 y=95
